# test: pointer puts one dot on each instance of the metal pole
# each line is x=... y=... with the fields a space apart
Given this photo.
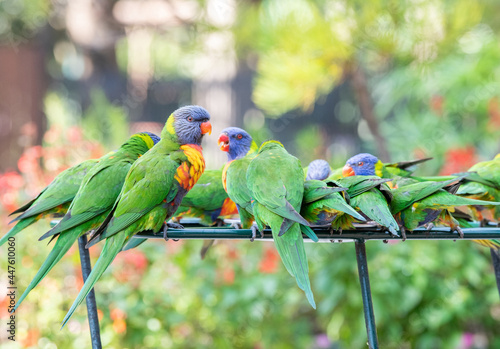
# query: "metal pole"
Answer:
x=95 y=332
x=366 y=294
x=495 y=259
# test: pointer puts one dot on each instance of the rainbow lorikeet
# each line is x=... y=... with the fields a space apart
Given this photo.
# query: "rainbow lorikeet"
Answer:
x=365 y=163
x=53 y=199
x=153 y=189
x=327 y=208
x=208 y=201
x=424 y=202
x=276 y=183
x=93 y=201
x=483 y=183
x=241 y=149
x=368 y=193
x=318 y=169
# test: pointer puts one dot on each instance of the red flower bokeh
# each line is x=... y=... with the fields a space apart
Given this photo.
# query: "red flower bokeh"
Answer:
x=459 y=160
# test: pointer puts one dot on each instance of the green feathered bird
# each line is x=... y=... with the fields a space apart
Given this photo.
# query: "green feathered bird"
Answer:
x=93 y=201
x=422 y=203
x=153 y=189
x=320 y=209
x=483 y=183
x=276 y=183
x=208 y=201
x=241 y=150
x=53 y=199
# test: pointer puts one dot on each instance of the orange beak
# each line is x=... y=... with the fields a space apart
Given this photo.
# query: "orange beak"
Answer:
x=223 y=142
x=206 y=127
x=347 y=171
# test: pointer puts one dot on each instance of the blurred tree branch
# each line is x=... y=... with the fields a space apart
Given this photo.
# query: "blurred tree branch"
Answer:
x=357 y=79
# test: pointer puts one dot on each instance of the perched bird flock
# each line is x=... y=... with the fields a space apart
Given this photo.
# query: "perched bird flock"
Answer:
x=151 y=183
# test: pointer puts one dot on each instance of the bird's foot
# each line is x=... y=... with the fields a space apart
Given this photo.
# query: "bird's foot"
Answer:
x=219 y=222
x=429 y=227
x=254 y=233
x=236 y=225
x=171 y=226
x=484 y=223
x=339 y=230
x=403 y=233
x=460 y=232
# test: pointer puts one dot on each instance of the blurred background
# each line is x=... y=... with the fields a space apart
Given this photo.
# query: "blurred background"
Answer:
x=400 y=79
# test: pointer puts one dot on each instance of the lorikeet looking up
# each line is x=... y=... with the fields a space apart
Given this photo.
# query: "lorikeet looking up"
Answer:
x=483 y=184
x=241 y=149
x=153 y=190
x=53 y=199
x=276 y=183
x=318 y=169
x=208 y=201
x=93 y=201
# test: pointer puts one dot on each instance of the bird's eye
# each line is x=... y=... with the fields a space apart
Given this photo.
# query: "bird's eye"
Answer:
x=239 y=136
x=190 y=118
x=361 y=163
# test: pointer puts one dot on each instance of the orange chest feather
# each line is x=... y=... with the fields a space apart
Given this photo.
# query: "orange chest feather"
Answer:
x=190 y=170
x=224 y=174
x=228 y=208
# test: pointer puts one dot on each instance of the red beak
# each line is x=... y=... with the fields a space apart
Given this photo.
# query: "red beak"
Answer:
x=206 y=127
x=347 y=171
x=223 y=142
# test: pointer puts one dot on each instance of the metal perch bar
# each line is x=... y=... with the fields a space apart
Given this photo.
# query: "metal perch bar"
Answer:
x=95 y=332
x=366 y=233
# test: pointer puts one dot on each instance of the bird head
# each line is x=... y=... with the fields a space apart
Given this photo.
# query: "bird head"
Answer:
x=236 y=142
x=318 y=169
x=360 y=165
x=187 y=125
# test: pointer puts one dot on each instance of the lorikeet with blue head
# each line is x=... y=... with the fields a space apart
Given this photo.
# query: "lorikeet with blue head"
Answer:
x=208 y=201
x=483 y=183
x=54 y=199
x=368 y=193
x=93 y=201
x=241 y=149
x=373 y=165
x=275 y=180
x=153 y=190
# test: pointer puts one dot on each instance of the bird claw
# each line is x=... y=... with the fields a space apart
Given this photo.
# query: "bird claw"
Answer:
x=430 y=226
x=236 y=225
x=403 y=233
x=254 y=233
x=171 y=226
x=219 y=223
x=460 y=232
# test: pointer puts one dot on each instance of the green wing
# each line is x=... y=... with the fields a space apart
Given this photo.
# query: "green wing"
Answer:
x=147 y=185
x=282 y=195
x=236 y=182
x=208 y=193
x=61 y=190
x=373 y=204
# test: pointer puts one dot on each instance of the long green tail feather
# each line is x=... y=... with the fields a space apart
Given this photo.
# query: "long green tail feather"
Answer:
x=112 y=247
x=62 y=245
x=291 y=249
x=17 y=228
